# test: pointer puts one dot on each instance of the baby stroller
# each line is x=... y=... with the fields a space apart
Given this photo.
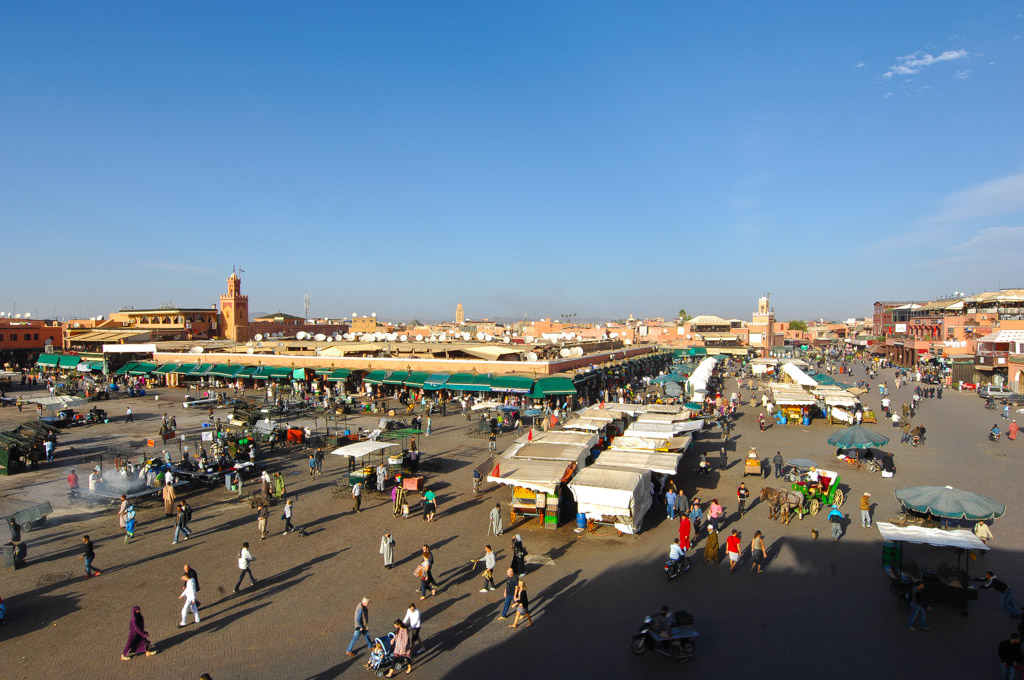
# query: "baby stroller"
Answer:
x=381 y=658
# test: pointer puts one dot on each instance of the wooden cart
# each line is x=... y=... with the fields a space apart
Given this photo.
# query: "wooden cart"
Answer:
x=752 y=464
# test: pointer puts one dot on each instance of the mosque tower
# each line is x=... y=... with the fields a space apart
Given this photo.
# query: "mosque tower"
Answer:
x=234 y=311
x=460 y=316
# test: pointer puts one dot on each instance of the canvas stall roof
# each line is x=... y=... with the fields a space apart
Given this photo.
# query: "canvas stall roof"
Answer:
x=662 y=417
x=538 y=475
x=664 y=408
x=641 y=443
x=363 y=449
x=560 y=437
x=623 y=409
x=594 y=413
x=489 y=352
x=544 y=451
x=625 y=494
x=585 y=425
x=954 y=538
x=666 y=430
x=790 y=395
x=835 y=396
x=765 y=361
x=797 y=375
x=654 y=461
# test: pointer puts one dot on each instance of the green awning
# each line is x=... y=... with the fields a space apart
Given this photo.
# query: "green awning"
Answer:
x=417 y=378
x=201 y=369
x=396 y=378
x=513 y=383
x=48 y=360
x=272 y=373
x=696 y=351
x=547 y=387
x=127 y=367
x=483 y=382
x=248 y=371
x=298 y=374
x=95 y=365
x=225 y=370
x=68 y=361
x=375 y=377
x=184 y=369
x=142 y=368
x=436 y=381
x=339 y=374
x=461 y=381
x=166 y=368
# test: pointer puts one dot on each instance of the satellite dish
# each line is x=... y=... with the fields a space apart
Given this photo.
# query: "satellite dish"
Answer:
x=17 y=316
x=28 y=315
x=378 y=336
x=403 y=338
x=99 y=317
x=374 y=315
x=571 y=335
x=433 y=338
x=577 y=351
x=531 y=356
x=250 y=350
x=300 y=336
x=506 y=340
x=319 y=337
x=442 y=337
x=627 y=341
x=354 y=315
x=465 y=336
x=479 y=335
x=528 y=338
x=613 y=335
x=597 y=325
x=351 y=337
x=258 y=337
x=488 y=337
x=48 y=341
x=196 y=350
x=419 y=338
x=564 y=353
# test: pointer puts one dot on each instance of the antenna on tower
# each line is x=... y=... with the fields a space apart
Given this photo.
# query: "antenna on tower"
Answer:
x=305 y=304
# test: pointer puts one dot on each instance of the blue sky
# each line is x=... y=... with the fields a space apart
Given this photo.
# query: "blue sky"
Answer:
x=522 y=158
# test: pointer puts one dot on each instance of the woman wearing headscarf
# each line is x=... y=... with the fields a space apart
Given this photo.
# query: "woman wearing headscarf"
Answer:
x=122 y=510
x=518 y=556
x=402 y=648
x=684 y=532
x=278 y=485
x=129 y=522
x=265 y=484
x=169 y=497
x=138 y=638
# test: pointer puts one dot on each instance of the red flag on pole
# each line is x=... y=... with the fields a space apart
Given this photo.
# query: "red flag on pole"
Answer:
x=529 y=437
x=496 y=472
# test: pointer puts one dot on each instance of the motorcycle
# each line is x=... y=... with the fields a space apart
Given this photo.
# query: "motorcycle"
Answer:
x=993 y=436
x=678 y=642
x=673 y=568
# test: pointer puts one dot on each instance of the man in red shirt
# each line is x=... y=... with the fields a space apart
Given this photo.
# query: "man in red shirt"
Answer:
x=73 y=481
x=732 y=549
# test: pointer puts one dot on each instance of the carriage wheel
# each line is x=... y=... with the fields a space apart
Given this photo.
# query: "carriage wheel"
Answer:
x=815 y=506
x=838 y=498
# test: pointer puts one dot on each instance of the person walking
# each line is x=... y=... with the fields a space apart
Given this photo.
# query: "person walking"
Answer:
x=758 y=553
x=685 y=527
x=990 y=580
x=181 y=521
x=245 y=560
x=138 y=638
x=778 y=462
x=1012 y=430
x=318 y=457
x=494 y=525
x=262 y=513
x=522 y=601
x=362 y=626
x=169 y=497
x=489 y=561
x=1010 y=657
x=422 y=572
x=412 y=620
x=917 y=608
x=387 y=549
x=279 y=490
x=733 y=549
x=865 y=510
x=511 y=582
x=711 y=546
x=835 y=522
x=715 y=512
x=357 y=496
x=519 y=556
x=122 y=511
x=742 y=494
x=982 y=531
x=428 y=560
x=696 y=515
x=429 y=505
x=312 y=466
x=88 y=555
x=382 y=478
x=128 y=418
x=188 y=594
x=401 y=648
x=129 y=522
x=1006 y=411
x=670 y=503
x=760 y=421
x=286 y=515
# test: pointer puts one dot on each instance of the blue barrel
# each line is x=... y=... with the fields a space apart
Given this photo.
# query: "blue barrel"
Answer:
x=348 y=432
x=807 y=420
x=581 y=520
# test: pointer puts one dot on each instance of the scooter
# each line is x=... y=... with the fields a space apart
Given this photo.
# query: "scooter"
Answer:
x=673 y=568
x=678 y=642
x=993 y=436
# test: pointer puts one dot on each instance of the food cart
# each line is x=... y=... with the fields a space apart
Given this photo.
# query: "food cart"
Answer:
x=361 y=468
x=944 y=583
x=535 y=486
x=752 y=464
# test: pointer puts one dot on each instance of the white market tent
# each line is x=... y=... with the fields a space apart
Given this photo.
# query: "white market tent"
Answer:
x=953 y=538
x=363 y=449
x=665 y=408
x=560 y=437
x=585 y=425
x=652 y=443
x=537 y=475
x=57 y=403
x=622 y=409
x=835 y=396
x=798 y=376
x=603 y=492
x=486 y=405
x=570 y=453
x=604 y=415
x=663 y=417
x=663 y=430
x=790 y=395
x=701 y=376
x=653 y=461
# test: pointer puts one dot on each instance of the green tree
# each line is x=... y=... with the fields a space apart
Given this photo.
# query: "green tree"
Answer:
x=684 y=316
x=797 y=325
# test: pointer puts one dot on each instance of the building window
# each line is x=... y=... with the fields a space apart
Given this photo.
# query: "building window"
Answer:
x=35 y=336
x=1 y=336
x=28 y=336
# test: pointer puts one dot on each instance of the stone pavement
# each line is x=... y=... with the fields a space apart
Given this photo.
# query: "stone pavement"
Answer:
x=821 y=609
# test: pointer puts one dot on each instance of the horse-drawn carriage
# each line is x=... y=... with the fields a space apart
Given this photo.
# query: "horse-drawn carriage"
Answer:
x=812 y=488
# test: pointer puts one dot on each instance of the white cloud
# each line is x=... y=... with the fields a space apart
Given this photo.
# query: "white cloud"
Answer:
x=1000 y=196
x=975 y=254
x=910 y=64
x=962 y=75
x=859 y=64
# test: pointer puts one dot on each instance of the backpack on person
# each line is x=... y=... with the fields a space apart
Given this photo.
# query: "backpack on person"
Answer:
x=187 y=511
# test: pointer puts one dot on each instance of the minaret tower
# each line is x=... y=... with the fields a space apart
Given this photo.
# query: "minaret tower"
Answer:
x=234 y=311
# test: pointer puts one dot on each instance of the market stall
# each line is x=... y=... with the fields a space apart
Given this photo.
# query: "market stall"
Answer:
x=609 y=495
x=662 y=462
x=535 y=486
x=361 y=467
x=793 y=403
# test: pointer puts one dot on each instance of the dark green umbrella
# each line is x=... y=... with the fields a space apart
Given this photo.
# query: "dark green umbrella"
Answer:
x=857 y=437
x=950 y=503
x=669 y=377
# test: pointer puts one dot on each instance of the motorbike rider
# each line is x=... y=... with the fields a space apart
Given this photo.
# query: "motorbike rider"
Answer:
x=678 y=555
x=661 y=622
x=993 y=434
